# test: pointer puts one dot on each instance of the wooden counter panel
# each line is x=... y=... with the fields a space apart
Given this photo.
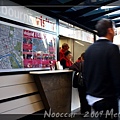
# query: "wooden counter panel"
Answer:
x=56 y=90
x=19 y=96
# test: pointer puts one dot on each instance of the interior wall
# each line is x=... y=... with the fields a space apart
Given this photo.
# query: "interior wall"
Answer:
x=79 y=48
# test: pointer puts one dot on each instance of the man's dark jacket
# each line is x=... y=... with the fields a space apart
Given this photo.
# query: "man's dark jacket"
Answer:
x=102 y=69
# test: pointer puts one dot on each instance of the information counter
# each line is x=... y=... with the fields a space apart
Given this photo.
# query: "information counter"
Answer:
x=55 y=89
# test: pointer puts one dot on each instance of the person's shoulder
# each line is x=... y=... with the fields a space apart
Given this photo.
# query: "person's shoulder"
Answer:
x=62 y=59
x=112 y=45
x=115 y=47
x=61 y=51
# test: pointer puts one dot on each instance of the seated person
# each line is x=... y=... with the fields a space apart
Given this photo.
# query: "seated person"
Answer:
x=66 y=60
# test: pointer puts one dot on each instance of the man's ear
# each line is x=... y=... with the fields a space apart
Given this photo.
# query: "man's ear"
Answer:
x=110 y=30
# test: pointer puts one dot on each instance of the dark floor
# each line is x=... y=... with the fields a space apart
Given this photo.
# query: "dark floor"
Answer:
x=75 y=118
x=78 y=118
x=71 y=116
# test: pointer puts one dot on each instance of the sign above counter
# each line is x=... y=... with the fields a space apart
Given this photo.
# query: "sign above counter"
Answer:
x=28 y=16
x=74 y=32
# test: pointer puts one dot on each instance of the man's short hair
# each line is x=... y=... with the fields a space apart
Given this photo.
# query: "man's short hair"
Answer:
x=103 y=25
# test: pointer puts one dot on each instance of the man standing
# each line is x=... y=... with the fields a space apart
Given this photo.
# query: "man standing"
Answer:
x=102 y=72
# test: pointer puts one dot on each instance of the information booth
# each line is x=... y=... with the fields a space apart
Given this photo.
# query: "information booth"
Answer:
x=28 y=43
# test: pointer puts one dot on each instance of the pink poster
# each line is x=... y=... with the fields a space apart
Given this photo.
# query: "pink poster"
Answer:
x=27 y=48
x=38 y=49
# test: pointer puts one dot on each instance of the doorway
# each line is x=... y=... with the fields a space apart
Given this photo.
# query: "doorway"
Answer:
x=76 y=46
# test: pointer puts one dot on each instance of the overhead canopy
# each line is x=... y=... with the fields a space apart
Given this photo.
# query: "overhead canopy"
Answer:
x=81 y=13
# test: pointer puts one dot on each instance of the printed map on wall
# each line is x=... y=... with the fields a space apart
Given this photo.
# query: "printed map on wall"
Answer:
x=10 y=47
x=22 y=48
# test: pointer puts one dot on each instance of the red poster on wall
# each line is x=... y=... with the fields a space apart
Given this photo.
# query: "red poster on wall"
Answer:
x=27 y=48
x=38 y=49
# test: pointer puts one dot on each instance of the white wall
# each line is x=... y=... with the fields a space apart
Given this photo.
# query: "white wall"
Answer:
x=79 y=47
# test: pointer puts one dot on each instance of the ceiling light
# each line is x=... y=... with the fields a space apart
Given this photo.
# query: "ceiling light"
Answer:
x=79 y=43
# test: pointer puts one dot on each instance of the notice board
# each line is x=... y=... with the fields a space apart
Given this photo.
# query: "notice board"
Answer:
x=22 y=47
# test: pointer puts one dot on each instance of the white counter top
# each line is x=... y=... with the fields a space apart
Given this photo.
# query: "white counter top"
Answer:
x=49 y=72
x=22 y=69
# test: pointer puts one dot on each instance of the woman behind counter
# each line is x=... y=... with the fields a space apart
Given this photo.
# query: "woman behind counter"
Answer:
x=66 y=60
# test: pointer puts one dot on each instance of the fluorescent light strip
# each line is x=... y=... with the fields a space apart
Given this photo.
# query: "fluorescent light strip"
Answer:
x=79 y=43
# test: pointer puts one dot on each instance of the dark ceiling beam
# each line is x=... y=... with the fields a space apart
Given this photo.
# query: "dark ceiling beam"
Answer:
x=93 y=22
x=117 y=21
x=72 y=3
x=117 y=25
x=85 y=10
x=77 y=13
x=100 y=10
x=85 y=19
x=107 y=16
x=113 y=16
x=91 y=2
